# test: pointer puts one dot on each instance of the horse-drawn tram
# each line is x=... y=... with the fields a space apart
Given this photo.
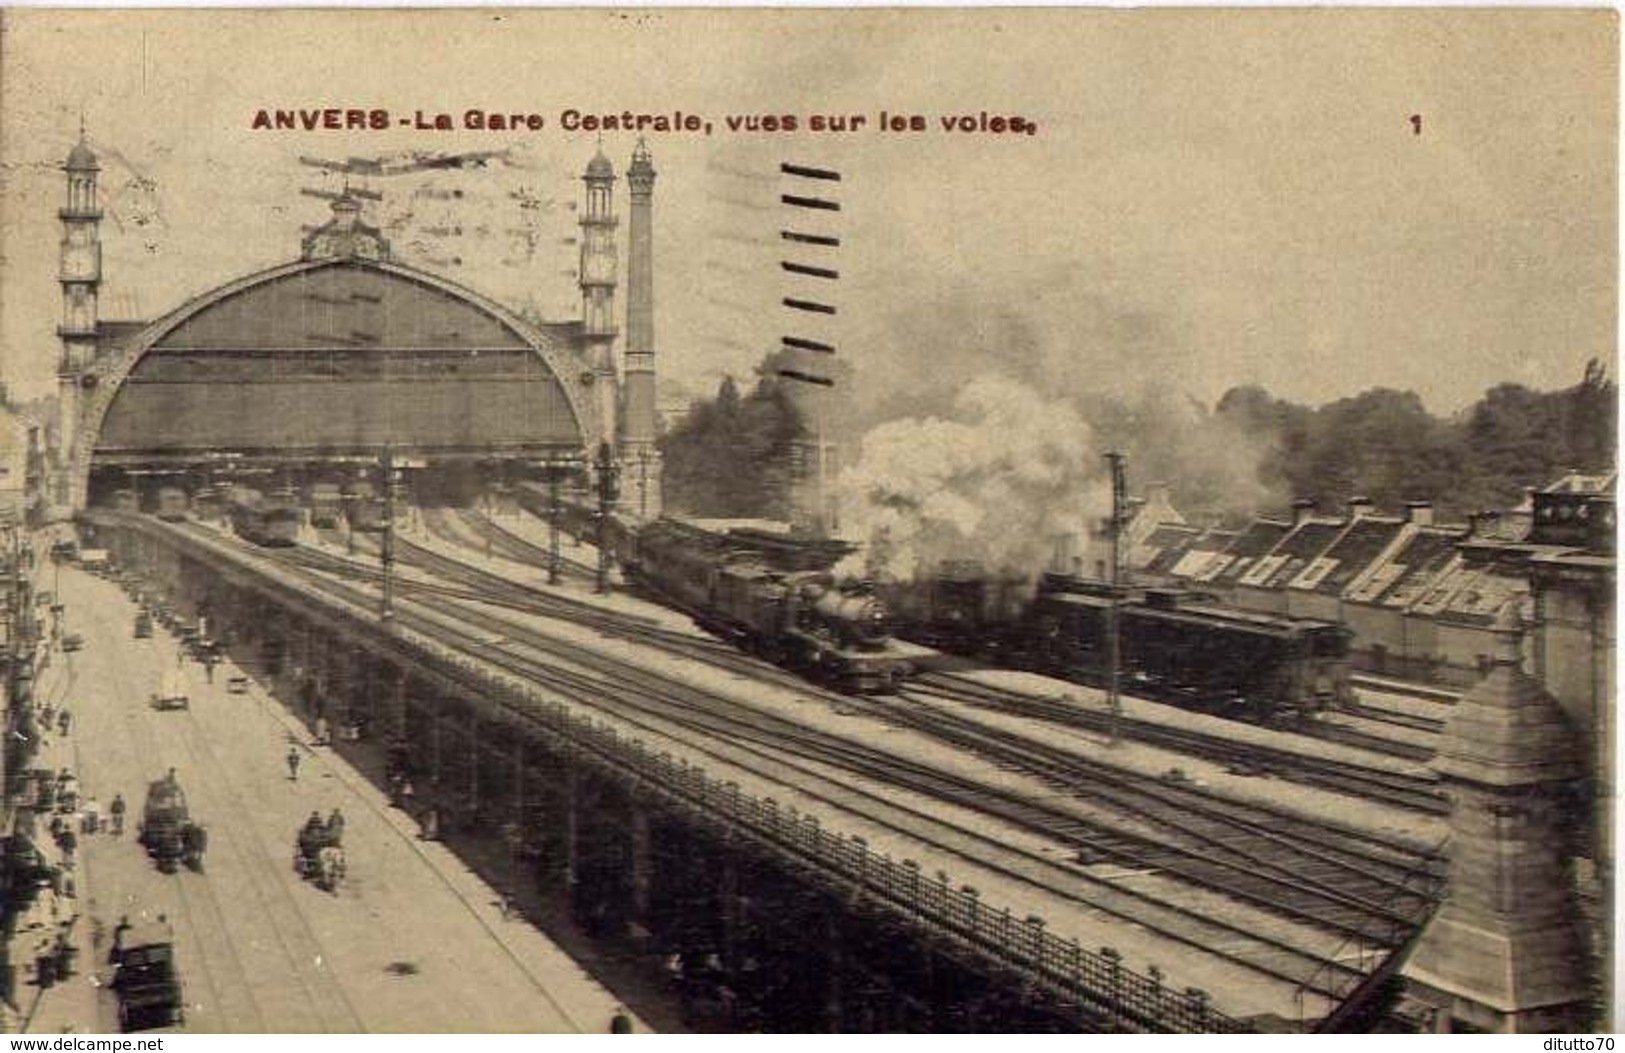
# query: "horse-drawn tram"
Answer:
x=144 y=977
x=167 y=831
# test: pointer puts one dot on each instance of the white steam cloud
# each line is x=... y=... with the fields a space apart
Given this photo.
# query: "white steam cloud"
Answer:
x=996 y=479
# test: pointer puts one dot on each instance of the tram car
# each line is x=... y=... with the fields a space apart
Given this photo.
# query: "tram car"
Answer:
x=803 y=620
x=145 y=978
x=1175 y=646
x=326 y=505
x=167 y=831
x=172 y=504
x=265 y=519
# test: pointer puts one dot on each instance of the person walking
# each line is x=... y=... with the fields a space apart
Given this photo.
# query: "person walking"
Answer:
x=116 y=810
x=293 y=764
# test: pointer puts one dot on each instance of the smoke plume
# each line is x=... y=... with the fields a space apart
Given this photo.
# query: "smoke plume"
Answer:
x=995 y=480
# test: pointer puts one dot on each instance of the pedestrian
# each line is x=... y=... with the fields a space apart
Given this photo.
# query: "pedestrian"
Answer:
x=69 y=841
x=64 y=720
x=293 y=763
x=116 y=810
x=92 y=810
x=621 y=1022
x=335 y=827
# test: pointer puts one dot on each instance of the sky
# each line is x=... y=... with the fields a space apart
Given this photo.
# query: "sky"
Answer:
x=1209 y=199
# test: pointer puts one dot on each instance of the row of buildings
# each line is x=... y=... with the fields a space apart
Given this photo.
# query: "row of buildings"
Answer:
x=1420 y=597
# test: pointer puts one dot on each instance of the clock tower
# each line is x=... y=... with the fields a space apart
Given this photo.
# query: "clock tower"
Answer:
x=80 y=274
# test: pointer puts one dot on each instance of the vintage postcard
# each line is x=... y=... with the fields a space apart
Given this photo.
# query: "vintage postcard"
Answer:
x=985 y=520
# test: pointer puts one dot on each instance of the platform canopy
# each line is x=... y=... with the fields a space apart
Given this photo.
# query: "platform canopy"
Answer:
x=335 y=358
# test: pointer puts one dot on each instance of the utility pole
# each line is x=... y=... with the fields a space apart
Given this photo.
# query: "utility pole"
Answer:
x=1114 y=528
x=554 y=478
x=386 y=555
x=608 y=491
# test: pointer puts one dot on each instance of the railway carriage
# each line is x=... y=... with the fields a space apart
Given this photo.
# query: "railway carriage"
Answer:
x=1174 y=646
x=326 y=505
x=266 y=519
x=365 y=507
x=173 y=504
x=1192 y=653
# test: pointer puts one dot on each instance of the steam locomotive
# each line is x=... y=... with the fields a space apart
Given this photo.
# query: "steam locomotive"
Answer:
x=1175 y=646
x=801 y=619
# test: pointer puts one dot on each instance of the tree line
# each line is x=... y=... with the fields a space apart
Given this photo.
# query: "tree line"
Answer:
x=732 y=455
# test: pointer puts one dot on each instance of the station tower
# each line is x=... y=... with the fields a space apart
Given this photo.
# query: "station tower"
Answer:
x=598 y=278
x=80 y=273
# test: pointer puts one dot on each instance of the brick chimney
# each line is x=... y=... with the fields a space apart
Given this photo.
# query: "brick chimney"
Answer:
x=1419 y=512
x=1361 y=506
x=1302 y=509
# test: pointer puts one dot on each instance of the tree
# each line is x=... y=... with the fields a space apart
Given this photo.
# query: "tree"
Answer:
x=730 y=457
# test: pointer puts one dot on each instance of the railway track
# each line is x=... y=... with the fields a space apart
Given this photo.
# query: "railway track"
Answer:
x=456 y=527
x=765 y=739
x=1015 y=749
x=1245 y=858
x=1384 y=715
x=1209 y=853
x=1416 y=793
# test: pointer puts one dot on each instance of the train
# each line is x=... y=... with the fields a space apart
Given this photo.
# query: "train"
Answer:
x=1174 y=645
x=366 y=507
x=780 y=600
x=326 y=505
x=266 y=519
x=804 y=620
x=173 y=504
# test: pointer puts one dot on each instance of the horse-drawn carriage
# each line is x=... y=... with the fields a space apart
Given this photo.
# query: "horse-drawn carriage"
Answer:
x=318 y=852
x=167 y=831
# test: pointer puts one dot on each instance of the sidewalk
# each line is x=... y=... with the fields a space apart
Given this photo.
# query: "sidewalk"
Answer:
x=72 y=1003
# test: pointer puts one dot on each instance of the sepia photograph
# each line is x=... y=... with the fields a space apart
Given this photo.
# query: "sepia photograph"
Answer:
x=734 y=521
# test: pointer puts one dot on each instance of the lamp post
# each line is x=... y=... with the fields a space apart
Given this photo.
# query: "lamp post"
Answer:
x=609 y=490
x=386 y=554
x=1114 y=528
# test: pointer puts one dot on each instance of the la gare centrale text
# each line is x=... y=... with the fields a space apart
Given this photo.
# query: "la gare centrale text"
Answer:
x=336 y=119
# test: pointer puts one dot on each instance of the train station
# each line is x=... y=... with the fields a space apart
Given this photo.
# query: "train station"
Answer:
x=346 y=594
